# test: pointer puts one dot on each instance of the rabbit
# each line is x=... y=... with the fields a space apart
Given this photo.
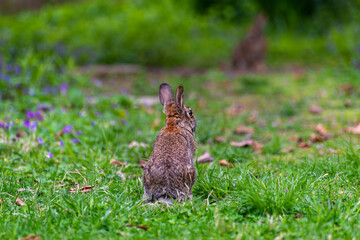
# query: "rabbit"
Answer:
x=170 y=172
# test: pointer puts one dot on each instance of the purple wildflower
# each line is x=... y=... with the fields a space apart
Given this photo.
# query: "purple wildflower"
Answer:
x=38 y=115
x=0 y=95
x=287 y=190
x=75 y=140
x=124 y=122
x=49 y=155
x=17 y=69
x=93 y=123
x=3 y=125
x=9 y=67
x=79 y=133
x=30 y=124
x=64 y=88
x=44 y=107
x=68 y=129
x=61 y=143
x=40 y=141
x=5 y=77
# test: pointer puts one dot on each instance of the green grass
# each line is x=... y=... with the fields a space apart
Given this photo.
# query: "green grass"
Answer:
x=309 y=193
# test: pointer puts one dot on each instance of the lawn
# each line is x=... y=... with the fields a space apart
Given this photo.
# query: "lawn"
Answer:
x=71 y=155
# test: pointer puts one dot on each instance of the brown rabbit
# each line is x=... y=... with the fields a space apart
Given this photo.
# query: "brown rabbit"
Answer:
x=170 y=172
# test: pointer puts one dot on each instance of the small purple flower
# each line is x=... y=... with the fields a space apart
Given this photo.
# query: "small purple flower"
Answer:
x=3 y=125
x=40 y=141
x=0 y=95
x=44 y=107
x=61 y=143
x=64 y=88
x=93 y=123
x=38 y=115
x=139 y=132
x=97 y=113
x=17 y=69
x=9 y=67
x=287 y=190
x=49 y=155
x=68 y=129
x=79 y=133
x=5 y=77
x=75 y=140
x=124 y=122
x=31 y=125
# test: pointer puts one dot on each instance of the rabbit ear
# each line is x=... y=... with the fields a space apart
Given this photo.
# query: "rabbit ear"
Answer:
x=179 y=97
x=165 y=93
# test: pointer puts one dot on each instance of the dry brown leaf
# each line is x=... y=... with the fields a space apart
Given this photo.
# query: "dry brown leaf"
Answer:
x=59 y=134
x=139 y=226
x=287 y=149
x=295 y=139
x=19 y=201
x=225 y=163
x=156 y=123
x=31 y=237
x=303 y=145
x=347 y=103
x=220 y=139
x=257 y=147
x=117 y=163
x=142 y=163
x=354 y=130
x=245 y=143
x=315 y=109
x=20 y=134
x=83 y=189
x=61 y=185
x=320 y=129
x=235 y=110
x=244 y=130
x=298 y=216
x=347 y=88
x=317 y=138
x=252 y=119
x=205 y=158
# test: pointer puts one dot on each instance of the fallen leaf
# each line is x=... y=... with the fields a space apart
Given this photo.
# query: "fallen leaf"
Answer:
x=298 y=216
x=235 y=110
x=220 y=139
x=244 y=130
x=295 y=139
x=137 y=144
x=61 y=185
x=118 y=163
x=287 y=149
x=347 y=103
x=31 y=237
x=225 y=163
x=139 y=226
x=317 y=138
x=354 y=130
x=59 y=134
x=315 y=109
x=205 y=158
x=142 y=163
x=156 y=123
x=257 y=147
x=83 y=189
x=20 y=134
x=303 y=145
x=347 y=88
x=19 y=201
x=252 y=119
x=245 y=143
x=120 y=174
x=320 y=129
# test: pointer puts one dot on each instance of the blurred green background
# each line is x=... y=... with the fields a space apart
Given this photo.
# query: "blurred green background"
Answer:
x=197 y=33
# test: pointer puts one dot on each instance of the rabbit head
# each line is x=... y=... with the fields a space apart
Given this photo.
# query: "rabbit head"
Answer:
x=177 y=113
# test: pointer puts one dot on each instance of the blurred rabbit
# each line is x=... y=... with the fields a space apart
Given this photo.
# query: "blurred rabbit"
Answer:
x=249 y=54
x=170 y=172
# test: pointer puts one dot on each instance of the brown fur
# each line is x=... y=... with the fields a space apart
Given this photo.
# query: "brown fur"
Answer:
x=249 y=54
x=170 y=171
